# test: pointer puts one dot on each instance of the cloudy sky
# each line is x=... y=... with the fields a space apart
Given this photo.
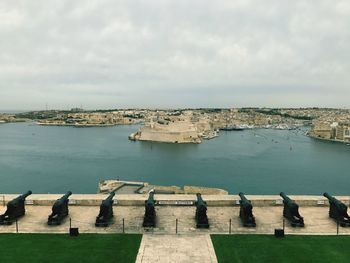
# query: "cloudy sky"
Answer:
x=179 y=53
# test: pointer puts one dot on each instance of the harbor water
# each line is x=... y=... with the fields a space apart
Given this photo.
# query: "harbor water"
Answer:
x=50 y=159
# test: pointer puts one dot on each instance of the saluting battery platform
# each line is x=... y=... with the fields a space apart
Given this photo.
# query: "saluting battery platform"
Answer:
x=176 y=212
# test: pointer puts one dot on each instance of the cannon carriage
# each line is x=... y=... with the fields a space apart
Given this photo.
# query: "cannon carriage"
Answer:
x=106 y=212
x=15 y=209
x=149 y=219
x=246 y=212
x=59 y=210
x=201 y=213
x=338 y=211
x=291 y=211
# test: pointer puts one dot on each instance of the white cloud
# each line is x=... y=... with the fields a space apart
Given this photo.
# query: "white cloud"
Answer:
x=135 y=53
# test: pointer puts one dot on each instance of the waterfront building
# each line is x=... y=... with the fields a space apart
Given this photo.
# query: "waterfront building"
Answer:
x=339 y=131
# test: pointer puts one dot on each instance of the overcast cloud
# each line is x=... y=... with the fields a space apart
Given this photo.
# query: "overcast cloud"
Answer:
x=180 y=53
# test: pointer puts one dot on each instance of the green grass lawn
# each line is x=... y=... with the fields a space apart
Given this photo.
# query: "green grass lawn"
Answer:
x=263 y=248
x=51 y=248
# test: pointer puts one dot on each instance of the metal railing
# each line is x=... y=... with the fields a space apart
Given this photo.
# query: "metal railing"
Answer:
x=124 y=226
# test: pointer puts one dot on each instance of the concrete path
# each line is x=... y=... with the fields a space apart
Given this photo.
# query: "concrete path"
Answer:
x=176 y=249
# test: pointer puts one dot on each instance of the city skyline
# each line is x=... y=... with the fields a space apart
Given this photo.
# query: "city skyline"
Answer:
x=166 y=54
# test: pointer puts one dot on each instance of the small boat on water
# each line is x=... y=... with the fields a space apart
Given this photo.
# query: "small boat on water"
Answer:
x=210 y=135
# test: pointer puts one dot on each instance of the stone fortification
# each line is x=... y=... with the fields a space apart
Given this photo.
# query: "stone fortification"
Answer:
x=170 y=132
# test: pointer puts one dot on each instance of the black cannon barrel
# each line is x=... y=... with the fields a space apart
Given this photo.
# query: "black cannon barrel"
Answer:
x=109 y=200
x=200 y=201
x=151 y=196
x=199 y=197
x=63 y=198
x=243 y=198
x=21 y=198
x=110 y=197
x=285 y=197
x=150 y=200
x=244 y=201
x=328 y=196
x=69 y=193
x=25 y=195
x=61 y=201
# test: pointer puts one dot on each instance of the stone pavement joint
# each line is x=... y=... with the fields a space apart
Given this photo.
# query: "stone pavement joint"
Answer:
x=176 y=249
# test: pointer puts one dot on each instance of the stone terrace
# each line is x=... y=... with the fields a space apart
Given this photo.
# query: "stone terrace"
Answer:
x=221 y=210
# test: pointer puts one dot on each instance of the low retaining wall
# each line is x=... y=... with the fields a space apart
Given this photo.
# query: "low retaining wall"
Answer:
x=139 y=200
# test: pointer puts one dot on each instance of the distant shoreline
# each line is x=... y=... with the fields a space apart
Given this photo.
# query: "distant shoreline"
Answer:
x=76 y=125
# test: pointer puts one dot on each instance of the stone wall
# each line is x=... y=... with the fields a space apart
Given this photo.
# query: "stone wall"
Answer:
x=139 y=199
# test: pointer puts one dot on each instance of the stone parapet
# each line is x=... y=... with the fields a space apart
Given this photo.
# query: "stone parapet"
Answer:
x=139 y=199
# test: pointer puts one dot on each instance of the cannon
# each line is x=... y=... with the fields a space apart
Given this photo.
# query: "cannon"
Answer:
x=246 y=212
x=59 y=210
x=201 y=212
x=338 y=211
x=291 y=211
x=149 y=219
x=15 y=209
x=106 y=212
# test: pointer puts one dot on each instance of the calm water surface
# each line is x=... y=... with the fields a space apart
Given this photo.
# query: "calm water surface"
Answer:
x=56 y=159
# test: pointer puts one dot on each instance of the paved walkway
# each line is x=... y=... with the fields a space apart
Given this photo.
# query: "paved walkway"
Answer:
x=176 y=249
x=268 y=218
